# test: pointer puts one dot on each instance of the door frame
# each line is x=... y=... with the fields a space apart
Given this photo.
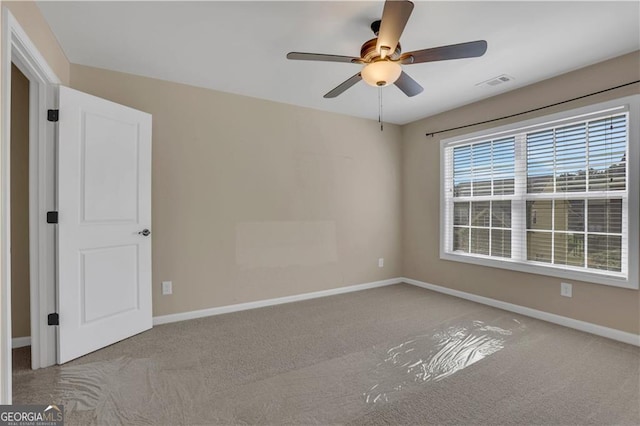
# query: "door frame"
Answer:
x=18 y=48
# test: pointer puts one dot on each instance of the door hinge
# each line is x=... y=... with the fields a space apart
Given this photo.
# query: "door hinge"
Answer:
x=53 y=319
x=52 y=217
x=52 y=114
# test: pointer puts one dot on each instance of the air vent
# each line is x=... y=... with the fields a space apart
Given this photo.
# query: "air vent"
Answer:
x=496 y=80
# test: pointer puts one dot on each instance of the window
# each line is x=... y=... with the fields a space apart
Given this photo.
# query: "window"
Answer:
x=556 y=195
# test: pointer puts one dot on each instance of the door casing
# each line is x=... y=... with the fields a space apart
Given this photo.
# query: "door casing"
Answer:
x=18 y=48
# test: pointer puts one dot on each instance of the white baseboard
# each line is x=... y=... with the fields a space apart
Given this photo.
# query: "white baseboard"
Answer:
x=164 y=319
x=611 y=333
x=599 y=330
x=20 y=342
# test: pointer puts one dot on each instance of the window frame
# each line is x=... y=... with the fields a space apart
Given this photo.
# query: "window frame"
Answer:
x=630 y=104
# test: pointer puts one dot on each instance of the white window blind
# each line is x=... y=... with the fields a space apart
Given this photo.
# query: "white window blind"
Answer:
x=554 y=195
x=482 y=174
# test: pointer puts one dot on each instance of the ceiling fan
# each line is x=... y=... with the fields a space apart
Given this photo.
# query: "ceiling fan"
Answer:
x=382 y=56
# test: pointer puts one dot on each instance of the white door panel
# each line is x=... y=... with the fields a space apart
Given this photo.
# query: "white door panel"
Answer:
x=104 y=201
x=104 y=296
x=110 y=148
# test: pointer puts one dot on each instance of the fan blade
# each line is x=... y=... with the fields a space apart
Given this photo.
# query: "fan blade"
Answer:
x=300 y=56
x=471 y=49
x=408 y=85
x=394 y=18
x=343 y=86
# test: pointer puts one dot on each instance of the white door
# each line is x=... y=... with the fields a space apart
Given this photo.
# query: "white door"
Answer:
x=104 y=219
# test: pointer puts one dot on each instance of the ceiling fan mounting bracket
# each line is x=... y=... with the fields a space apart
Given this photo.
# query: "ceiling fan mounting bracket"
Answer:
x=375 y=27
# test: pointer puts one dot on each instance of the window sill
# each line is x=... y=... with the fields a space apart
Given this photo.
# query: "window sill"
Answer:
x=591 y=277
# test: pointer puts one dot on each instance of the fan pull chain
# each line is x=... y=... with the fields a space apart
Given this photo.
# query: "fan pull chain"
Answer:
x=380 y=108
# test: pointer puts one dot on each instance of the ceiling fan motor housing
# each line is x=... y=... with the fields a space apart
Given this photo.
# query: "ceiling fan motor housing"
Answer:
x=368 y=51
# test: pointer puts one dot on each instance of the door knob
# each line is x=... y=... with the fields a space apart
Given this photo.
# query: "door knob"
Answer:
x=144 y=232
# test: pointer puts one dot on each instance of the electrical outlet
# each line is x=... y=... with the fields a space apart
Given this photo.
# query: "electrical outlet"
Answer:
x=566 y=290
x=381 y=262
x=167 y=288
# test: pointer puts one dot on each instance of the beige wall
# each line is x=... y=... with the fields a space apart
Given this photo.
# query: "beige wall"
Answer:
x=254 y=199
x=20 y=323
x=599 y=304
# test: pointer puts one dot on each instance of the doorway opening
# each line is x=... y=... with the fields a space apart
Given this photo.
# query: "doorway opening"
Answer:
x=20 y=266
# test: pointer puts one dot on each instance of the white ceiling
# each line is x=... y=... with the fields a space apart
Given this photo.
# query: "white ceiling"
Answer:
x=240 y=47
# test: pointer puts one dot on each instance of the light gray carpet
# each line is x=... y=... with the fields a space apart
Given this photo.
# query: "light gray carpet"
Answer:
x=393 y=355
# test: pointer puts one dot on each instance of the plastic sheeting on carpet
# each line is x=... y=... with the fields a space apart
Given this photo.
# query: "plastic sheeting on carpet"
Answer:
x=438 y=355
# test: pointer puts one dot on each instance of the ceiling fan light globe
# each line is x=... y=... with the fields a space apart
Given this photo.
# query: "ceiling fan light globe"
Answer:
x=381 y=73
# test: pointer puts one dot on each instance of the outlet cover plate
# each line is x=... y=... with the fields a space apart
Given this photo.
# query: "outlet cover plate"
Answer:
x=566 y=290
x=167 y=287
